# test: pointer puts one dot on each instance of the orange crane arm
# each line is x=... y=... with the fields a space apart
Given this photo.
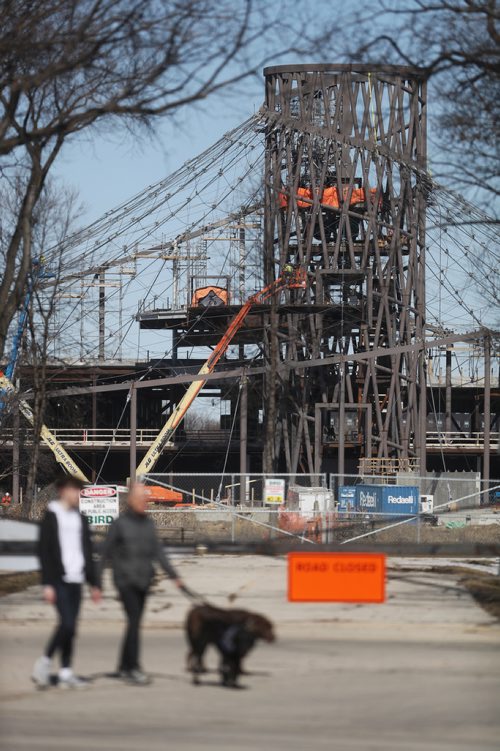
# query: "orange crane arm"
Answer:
x=194 y=389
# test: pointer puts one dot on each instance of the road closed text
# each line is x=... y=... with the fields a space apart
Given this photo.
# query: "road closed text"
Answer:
x=336 y=577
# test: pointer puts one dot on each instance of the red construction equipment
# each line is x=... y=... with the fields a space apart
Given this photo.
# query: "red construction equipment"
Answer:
x=291 y=277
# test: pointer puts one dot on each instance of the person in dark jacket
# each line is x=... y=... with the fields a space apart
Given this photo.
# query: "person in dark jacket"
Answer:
x=133 y=547
x=65 y=552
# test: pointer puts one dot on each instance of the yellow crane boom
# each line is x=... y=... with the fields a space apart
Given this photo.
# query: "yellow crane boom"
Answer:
x=47 y=437
x=290 y=277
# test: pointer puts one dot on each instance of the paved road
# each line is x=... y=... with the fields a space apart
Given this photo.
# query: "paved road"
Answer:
x=420 y=672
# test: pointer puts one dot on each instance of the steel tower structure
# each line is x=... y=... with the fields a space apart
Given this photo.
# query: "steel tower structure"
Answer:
x=345 y=199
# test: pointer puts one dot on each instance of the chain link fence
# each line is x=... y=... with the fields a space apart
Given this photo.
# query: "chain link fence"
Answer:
x=256 y=490
x=456 y=490
x=311 y=508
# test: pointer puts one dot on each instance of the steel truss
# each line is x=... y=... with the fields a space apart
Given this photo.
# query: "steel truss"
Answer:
x=345 y=198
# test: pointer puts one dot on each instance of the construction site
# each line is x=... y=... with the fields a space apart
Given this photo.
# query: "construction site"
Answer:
x=292 y=341
x=297 y=299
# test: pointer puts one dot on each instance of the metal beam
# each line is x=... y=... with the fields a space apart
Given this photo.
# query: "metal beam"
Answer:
x=133 y=430
x=487 y=409
x=15 y=452
x=283 y=367
x=243 y=437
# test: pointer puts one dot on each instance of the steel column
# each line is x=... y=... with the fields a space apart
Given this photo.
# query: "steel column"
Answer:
x=243 y=437
x=15 y=450
x=448 y=401
x=133 y=432
x=487 y=409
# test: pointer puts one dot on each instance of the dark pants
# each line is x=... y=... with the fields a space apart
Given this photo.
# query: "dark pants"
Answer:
x=68 y=601
x=133 y=601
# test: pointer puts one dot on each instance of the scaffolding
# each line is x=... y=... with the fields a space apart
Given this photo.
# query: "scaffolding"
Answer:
x=345 y=197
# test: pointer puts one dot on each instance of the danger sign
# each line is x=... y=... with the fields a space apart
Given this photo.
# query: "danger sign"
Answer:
x=100 y=504
x=99 y=491
x=336 y=577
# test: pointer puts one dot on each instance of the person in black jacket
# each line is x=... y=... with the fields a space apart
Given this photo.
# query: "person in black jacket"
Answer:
x=132 y=546
x=65 y=551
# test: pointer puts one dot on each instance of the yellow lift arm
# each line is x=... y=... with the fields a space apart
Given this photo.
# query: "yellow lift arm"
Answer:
x=47 y=437
x=291 y=277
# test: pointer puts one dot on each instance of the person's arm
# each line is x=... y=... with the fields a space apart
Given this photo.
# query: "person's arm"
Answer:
x=107 y=550
x=164 y=560
x=45 y=547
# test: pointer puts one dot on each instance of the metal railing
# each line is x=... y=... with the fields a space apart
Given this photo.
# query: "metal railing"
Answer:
x=231 y=488
x=459 y=439
x=121 y=436
x=85 y=436
x=90 y=436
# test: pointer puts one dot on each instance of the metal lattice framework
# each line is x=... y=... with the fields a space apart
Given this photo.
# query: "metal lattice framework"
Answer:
x=345 y=198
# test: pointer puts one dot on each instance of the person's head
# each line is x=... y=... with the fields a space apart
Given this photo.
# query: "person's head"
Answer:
x=138 y=498
x=68 y=490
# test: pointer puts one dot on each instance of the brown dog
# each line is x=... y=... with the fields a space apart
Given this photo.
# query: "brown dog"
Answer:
x=233 y=633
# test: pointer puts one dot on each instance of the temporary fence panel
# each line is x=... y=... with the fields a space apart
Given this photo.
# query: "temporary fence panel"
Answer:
x=231 y=489
x=380 y=512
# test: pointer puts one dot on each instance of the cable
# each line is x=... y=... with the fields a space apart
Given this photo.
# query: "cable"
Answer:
x=219 y=491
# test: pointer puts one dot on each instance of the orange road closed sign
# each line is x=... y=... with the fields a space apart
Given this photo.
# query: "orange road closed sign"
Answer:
x=336 y=577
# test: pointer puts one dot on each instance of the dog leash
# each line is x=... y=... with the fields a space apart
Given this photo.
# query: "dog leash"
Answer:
x=192 y=595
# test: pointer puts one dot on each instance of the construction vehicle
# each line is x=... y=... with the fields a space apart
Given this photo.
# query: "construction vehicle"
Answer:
x=159 y=494
x=291 y=277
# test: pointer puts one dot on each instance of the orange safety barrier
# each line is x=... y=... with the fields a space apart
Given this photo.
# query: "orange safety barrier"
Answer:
x=358 y=195
x=330 y=196
x=210 y=295
x=304 y=193
x=336 y=577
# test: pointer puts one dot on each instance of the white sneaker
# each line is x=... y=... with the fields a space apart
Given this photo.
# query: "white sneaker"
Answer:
x=67 y=679
x=41 y=672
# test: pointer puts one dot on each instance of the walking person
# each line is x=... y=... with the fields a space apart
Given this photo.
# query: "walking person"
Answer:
x=65 y=551
x=132 y=546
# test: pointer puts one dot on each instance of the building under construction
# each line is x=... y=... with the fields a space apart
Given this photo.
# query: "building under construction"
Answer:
x=340 y=370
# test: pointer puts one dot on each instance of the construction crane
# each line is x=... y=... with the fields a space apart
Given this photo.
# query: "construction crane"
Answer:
x=291 y=277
